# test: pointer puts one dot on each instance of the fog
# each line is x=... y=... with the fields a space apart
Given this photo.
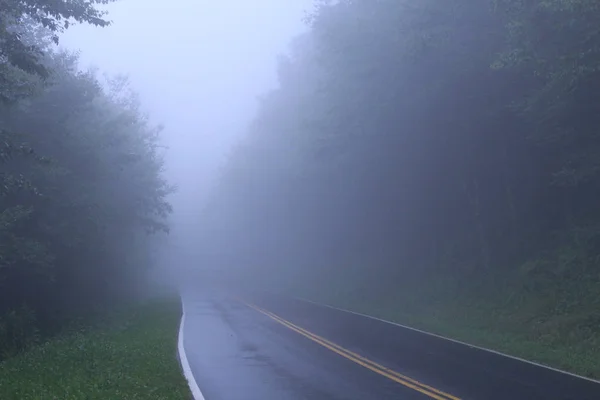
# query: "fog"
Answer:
x=198 y=67
x=422 y=158
x=387 y=148
x=373 y=156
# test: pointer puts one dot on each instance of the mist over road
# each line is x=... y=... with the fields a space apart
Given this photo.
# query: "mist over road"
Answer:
x=273 y=347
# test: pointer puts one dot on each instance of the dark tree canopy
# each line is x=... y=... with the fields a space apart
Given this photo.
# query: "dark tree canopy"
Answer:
x=411 y=141
x=23 y=20
x=81 y=178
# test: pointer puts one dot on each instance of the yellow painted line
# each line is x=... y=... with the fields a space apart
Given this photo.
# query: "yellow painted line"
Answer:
x=371 y=365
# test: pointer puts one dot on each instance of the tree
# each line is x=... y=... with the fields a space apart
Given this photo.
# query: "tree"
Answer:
x=418 y=139
x=27 y=27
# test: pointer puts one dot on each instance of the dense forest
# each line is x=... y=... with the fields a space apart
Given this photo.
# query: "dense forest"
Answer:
x=433 y=152
x=81 y=183
x=432 y=161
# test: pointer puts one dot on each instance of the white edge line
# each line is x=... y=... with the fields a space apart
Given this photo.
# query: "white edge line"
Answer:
x=185 y=365
x=446 y=338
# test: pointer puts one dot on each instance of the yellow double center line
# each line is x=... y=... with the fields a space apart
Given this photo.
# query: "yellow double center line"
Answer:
x=373 y=366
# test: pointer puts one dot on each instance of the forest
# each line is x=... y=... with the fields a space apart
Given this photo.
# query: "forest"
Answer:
x=432 y=161
x=82 y=191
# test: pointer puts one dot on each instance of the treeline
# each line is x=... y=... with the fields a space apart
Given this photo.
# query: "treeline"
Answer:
x=412 y=141
x=81 y=185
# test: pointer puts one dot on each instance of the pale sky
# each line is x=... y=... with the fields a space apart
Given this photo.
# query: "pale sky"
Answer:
x=198 y=66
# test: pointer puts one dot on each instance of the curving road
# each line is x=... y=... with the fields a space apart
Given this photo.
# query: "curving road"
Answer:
x=271 y=347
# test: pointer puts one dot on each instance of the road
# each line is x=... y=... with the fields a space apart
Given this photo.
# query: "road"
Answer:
x=271 y=347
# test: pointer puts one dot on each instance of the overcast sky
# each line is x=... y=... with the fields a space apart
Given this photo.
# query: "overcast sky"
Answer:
x=199 y=66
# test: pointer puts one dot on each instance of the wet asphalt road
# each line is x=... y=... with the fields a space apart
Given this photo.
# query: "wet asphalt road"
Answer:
x=270 y=347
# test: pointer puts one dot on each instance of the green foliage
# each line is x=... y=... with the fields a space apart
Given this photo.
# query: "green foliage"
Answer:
x=19 y=20
x=569 y=341
x=431 y=141
x=17 y=331
x=133 y=356
x=81 y=173
x=435 y=132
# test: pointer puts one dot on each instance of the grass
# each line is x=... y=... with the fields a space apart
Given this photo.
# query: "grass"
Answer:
x=533 y=328
x=130 y=355
x=552 y=349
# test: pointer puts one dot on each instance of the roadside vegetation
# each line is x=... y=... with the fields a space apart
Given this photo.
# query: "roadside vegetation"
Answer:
x=82 y=207
x=433 y=162
x=82 y=191
x=516 y=328
x=130 y=354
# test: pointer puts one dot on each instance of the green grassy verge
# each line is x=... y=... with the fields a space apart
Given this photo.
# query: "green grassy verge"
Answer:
x=131 y=355
x=529 y=329
x=461 y=324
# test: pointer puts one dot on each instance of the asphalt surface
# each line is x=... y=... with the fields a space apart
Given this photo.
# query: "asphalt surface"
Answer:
x=271 y=347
